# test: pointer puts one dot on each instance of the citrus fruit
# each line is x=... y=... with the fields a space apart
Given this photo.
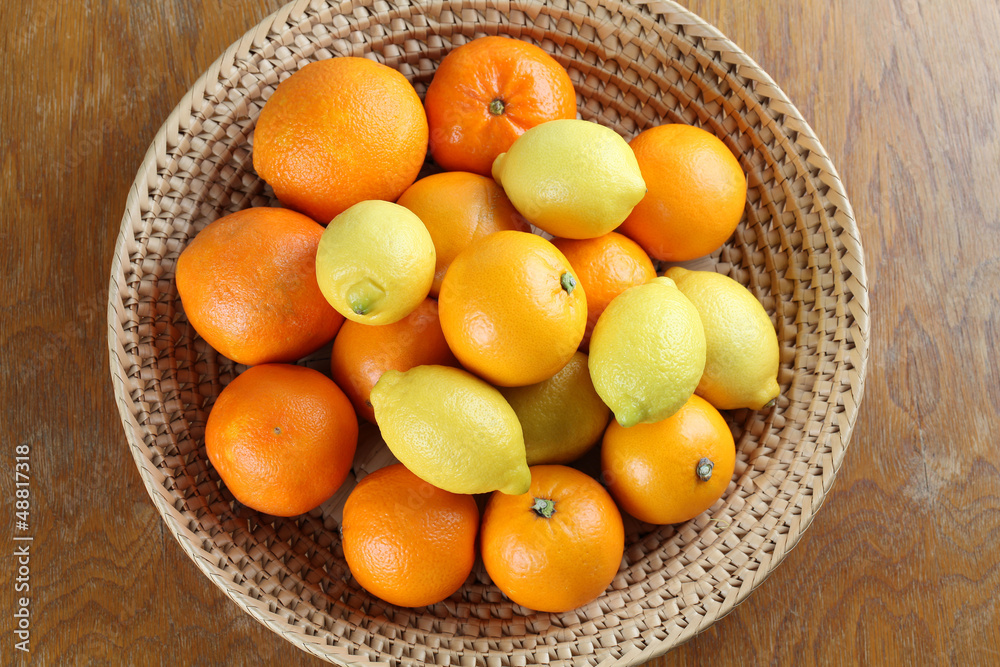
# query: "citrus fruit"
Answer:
x=451 y=429
x=361 y=352
x=556 y=547
x=486 y=93
x=458 y=208
x=512 y=309
x=282 y=438
x=647 y=353
x=247 y=282
x=697 y=192
x=375 y=262
x=673 y=470
x=406 y=541
x=741 y=347
x=606 y=266
x=562 y=417
x=571 y=178
x=337 y=132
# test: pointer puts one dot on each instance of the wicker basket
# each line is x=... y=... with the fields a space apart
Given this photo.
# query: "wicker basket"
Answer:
x=634 y=66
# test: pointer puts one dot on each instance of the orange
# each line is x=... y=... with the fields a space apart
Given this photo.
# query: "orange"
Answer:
x=458 y=208
x=696 y=193
x=672 y=470
x=361 y=352
x=248 y=286
x=512 y=309
x=338 y=132
x=282 y=438
x=486 y=93
x=606 y=266
x=407 y=542
x=556 y=547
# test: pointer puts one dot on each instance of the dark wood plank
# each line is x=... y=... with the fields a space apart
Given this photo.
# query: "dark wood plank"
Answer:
x=903 y=562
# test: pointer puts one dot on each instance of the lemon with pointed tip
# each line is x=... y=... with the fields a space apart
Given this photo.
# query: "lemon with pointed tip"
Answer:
x=571 y=178
x=452 y=430
x=647 y=352
x=741 y=365
x=375 y=262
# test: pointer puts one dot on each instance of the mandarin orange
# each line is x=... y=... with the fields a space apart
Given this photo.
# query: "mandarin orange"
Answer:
x=672 y=470
x=696 y=193
x=282 y=438
x=556 y=547
x=248 y=285
x=338 y=132
x=406 y=541
x=512 y=309
x=486 y=93
x=361 y=352
x=458 y=208
x=606 y=266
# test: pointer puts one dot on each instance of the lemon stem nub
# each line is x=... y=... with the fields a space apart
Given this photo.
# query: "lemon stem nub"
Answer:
x=703 y=469
x=496 y=107
x=568 y=282
x=544 y=507
x=363 y=296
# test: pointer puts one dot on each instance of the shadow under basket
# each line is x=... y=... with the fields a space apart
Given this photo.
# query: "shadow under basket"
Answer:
x=634 y=66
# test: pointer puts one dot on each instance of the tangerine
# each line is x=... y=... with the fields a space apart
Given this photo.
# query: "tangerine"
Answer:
x=556 y=547
x=459 y=207
x=406 y=541
x=362 y=352
x=282 y=438
x=672 y=470
x=512 y=309
x=248 y=285
x=696 y=193
x=338 y=132
x=606 y=266
x=486 y=93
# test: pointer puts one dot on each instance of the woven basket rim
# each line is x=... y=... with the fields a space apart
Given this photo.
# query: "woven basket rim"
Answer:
x=147 y=174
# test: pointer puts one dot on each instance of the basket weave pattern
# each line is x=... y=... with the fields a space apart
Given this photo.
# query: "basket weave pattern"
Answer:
x=634 y=66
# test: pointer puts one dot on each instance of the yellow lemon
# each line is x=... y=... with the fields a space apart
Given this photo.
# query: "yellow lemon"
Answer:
x=375 y=262
x=741 y=364
x=647 y=352
x=561 y=417
x=452 y=430
x=571 y=178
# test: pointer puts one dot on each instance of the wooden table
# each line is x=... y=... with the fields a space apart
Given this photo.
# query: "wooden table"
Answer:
x=902 y=564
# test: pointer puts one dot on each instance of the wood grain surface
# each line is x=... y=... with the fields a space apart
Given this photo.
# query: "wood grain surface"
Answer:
x=902 y=565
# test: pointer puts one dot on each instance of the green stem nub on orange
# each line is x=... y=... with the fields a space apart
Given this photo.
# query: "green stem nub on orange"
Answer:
x=568 y=282
x=496 y=107
x=544 y=507
x=703 y=469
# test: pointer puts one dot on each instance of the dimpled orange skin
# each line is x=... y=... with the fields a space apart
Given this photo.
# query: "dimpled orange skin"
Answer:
x=407 y=542
x=650 y=469
x=458 y=208
x=558 y=563
x=505 y=313
x=529 y=84
x=606 y=266
x=282 y=438
x=248 y=285
x=338 y=132
x=361 y=352
x=696 y=193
